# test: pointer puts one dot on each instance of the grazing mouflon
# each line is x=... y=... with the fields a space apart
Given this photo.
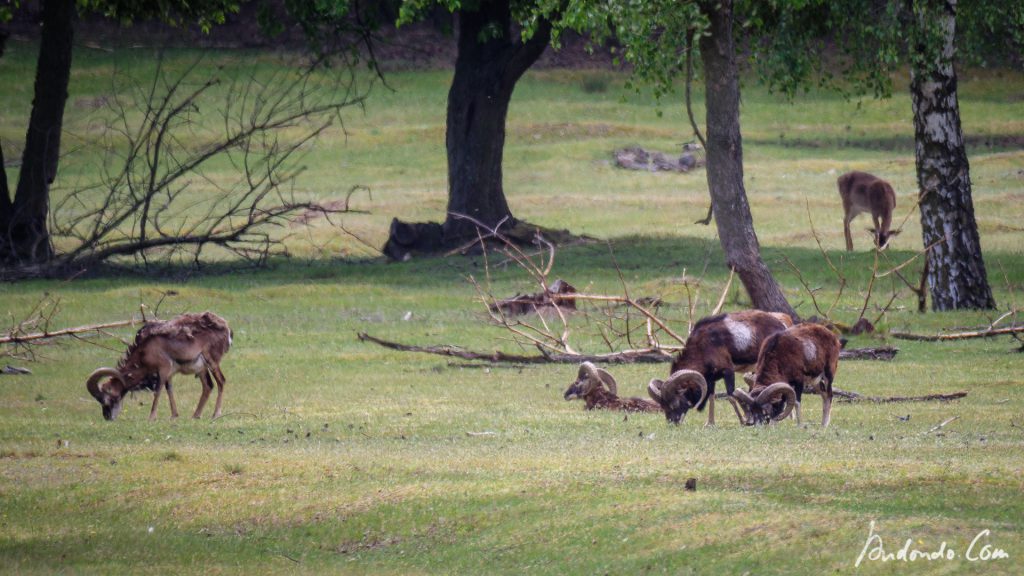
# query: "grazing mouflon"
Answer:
x=717 y=348
x=805 y=356
x=186 y=344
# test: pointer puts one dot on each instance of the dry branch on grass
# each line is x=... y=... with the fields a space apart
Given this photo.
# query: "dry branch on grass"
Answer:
x=985 y=333
x=543 y=357
x=36 y=326
x=847 y=396
x=10 y=338
x=646 y=355
x=877 y=353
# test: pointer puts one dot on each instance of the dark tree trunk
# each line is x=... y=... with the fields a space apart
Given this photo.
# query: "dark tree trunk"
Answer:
x=490 y=60
x=5 y=193
x=725 y=162
x=956 y=270
x=25 y=238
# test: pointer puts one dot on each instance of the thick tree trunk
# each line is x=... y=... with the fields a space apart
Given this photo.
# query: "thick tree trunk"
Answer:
x=489 y=63
x=25 y=238
x=725 y=163
x=956 y=270
x=5 y=193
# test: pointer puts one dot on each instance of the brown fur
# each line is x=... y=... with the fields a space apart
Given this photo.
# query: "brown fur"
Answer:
x=187 y=344
x=783 y=359
x=711 y=350
x=596 y=387
x=605 y=400
x=863 y=192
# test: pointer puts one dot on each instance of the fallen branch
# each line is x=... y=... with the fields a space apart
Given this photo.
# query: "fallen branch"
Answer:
x=624 y=357
x=21 y=338
x=988 y=333
x=942 y=424
x=14 y=371
x=646 y=355
x=880 y=353
x=856 y=397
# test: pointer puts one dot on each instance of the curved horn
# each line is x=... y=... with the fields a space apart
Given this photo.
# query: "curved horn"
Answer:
x=600 y=375
x=745 y=402
x=654 y=389
x=772 y=392
x=93 y=383
x=609 y=381
x=689 y=380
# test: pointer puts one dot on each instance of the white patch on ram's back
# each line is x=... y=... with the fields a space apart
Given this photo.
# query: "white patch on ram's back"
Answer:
x=742 y=335
x=810 y=350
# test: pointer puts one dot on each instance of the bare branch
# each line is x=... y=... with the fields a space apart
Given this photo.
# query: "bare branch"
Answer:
x=986 y=333
x=146 y=207
x=624 y=357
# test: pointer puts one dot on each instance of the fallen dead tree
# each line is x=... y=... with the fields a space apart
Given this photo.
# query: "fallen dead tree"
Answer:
x=985 y=333
x=880 y=353
x=846 y=396
x=649 y=355
x=16 y=338
x=645 y=355
x=850 y=396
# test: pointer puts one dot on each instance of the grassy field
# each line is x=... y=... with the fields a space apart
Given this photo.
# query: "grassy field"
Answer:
x=336 y=456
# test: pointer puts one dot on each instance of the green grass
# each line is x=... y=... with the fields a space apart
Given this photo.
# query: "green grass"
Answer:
x=342 y=457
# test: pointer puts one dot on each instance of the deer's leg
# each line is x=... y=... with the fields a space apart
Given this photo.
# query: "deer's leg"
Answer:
x=204 y=377
x=156 y=397
x=846 y=231
x=730 y=386
x=826 y=404
x=219 y=377
x=170 y=399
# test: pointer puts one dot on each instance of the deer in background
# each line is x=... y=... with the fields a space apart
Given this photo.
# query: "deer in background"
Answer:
x=863 y=192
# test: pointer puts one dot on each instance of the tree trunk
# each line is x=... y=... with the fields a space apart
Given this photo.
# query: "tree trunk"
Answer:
x=25 y=238
x=5 y=193
x=956 y=270
x=725 y=162
x=490 y=60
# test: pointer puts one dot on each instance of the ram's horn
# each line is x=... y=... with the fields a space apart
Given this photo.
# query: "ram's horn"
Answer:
x=689 y=380
x=773 y=391
x=93 y=383
x=745 y=402
x=654 y=389
x=599 y=375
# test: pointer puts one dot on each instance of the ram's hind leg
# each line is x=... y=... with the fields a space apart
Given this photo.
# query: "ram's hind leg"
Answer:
x=156 y=398
x=826 y=404
x=204 y=377
x=170 y=399
x=219 y=377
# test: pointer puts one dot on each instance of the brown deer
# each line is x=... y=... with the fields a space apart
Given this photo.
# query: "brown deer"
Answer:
x=186 y=344
x=863 y=192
